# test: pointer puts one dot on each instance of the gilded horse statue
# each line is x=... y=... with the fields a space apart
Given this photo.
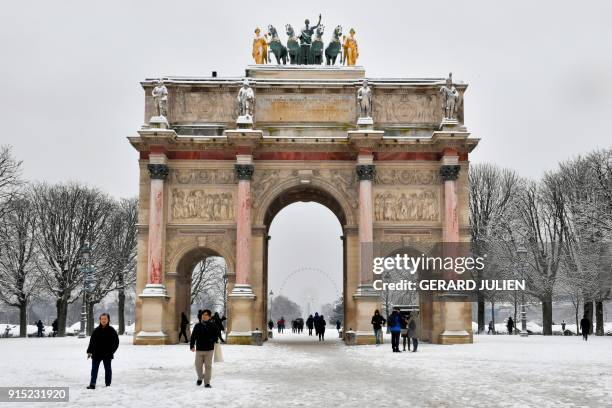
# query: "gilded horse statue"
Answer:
x=334 y=47
x=293 y=45
x=277 y=48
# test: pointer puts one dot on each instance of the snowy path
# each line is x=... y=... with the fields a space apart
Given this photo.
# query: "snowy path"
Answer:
x=298 y=371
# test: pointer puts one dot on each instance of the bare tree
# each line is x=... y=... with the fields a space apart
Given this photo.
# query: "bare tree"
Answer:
x=19 y=280
x=10 y=179
x=492 y=193
x=115 y=259
x=207 y=283
x=587 y=182
x=284 y=307
x=68 y=215
x=542 y=212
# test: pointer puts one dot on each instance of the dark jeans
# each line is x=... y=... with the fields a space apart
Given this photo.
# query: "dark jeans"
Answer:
x=395 y=336
x=310 y=332
x=183 y=333
x=108 y=373
x=415 y=344
x=321 y=335
x=585 y=335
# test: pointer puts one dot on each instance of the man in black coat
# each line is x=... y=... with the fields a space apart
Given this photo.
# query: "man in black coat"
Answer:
x=203 y=339
x=103 y=343
x=585 y=327
x=40 y=327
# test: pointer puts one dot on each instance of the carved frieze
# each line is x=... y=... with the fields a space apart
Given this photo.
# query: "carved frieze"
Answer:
x=202 y=205
x=404 y=107
x=419 y=204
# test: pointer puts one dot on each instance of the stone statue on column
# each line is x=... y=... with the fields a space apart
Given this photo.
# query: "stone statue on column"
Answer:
x=450 y=99
x=364 y=100
x=160 y=96
x=246 y=102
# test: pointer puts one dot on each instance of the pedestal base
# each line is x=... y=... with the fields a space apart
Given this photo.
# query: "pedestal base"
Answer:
x=367 y=300
x=154 y=301
x=455 y=337
x=365 y=123
x=244 y=122
x=242 y=301
x=159 y=122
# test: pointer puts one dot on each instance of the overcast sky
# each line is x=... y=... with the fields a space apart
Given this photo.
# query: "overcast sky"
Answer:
x=538 y=72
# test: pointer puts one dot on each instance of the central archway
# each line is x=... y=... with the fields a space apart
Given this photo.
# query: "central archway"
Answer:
x=308 y=194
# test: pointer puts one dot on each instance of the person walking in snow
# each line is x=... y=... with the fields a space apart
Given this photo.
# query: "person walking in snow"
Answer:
x=510 y=325
x=491 y=327
x=184 y=324
x=310 y=324
x=54 y=327
x=315 y=322
x=396 y=328
x=270 y=324
x=585 y=327
x=218 y=321
x=320 y=327
x=281 y=324
x=404 y=332
x=103 y=344
x=413 y=332
x=563 y=328
x=377 y=322
x=40 y=327
x=338 y=325
x=203 y=338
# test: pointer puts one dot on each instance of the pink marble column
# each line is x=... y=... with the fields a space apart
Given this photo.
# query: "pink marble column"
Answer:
x=243 y=223
x=365 y=173
x=449 y=174
x=158 y=173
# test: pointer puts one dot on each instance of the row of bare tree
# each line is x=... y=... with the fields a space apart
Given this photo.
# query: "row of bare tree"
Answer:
x=43 y=228
x=555 y=233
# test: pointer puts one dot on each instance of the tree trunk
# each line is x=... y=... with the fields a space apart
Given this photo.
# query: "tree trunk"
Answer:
x=547 y=316
x=61 y=306
x=577 y=320
x=23 y=319
x=493 y=314
x=588 y=312
x=121 y=311
x=599 y=326
x=481 y=314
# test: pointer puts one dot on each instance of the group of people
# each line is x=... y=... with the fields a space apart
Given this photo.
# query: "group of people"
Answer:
x=40 y=329
x=104 y=342
x=400 y=325
x=318 y=323
x=585 y=327
x=314 y=322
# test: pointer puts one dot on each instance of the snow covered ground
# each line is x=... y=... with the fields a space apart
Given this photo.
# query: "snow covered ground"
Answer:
x=297 y=371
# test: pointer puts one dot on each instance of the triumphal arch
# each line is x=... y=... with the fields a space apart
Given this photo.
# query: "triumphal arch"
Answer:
x=220 y=157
